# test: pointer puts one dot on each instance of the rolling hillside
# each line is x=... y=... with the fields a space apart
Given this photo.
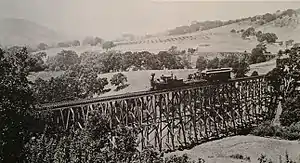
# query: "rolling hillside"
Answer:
x=24 y=32
x=213 y=40
x=221 y=39
x=218 y=39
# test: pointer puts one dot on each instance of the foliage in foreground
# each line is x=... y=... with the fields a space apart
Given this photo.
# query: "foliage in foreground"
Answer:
x=98 y=141
x=264 y=159
x=283 y=81
x=16 y=104
x=291 y=132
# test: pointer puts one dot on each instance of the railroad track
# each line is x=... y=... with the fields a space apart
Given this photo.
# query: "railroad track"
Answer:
x=81 y=102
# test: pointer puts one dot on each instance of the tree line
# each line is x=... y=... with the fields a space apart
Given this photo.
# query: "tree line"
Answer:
x=92 y=41
x=113 y=61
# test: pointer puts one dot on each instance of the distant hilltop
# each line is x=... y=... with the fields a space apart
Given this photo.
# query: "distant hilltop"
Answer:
x=15 y=31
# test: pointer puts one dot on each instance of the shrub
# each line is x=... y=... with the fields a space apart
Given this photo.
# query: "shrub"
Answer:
x=108 y=45
x=64 y=60
x=254 y=73
x=119 y=80
x=268 y=37
x=201 y=63
x=214 y=63
x=291 y=110
x=264 y=159
x=249 y=32
x=240 y=157
x=267 y=129
x=257 y=54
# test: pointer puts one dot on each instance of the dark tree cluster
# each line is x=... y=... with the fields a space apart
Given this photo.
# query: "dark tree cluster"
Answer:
x=42 y=46
x=239 y=65
x=16 y=104
x=108 y=45
x=248 y=32
x=257 y=54
x=284 y=82
x=92 y=41
x=68 y=44
x=37 y=63
x=261 y=37
x=112 y=61
x=63 y=60
x=268 y=37
x=76 y=83
x=119 y=80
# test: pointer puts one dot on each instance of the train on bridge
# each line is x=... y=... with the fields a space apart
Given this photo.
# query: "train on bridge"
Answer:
x=198 y=78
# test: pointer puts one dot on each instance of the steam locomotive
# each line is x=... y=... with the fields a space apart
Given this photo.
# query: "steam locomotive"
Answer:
x=198 y=78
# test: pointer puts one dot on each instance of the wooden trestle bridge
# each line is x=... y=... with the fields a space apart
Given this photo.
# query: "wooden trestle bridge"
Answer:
x=174 y=118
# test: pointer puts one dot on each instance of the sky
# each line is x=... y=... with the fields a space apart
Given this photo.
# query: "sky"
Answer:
x=111 y=18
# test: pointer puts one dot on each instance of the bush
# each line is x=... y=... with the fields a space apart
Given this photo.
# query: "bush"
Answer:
x=119 y=80
x=181 y=159
x=269 y=17
x=214 y=63
x=291 y=109
x=268 y=37
x=249 y=32
x=264 y=159
x=63 y=60
x=254 y=73
x=201 y=63
x=257 y=54
x=108 y=45
x=240 y=157
x=42 y=46
x=267 y=129
x=291 y=132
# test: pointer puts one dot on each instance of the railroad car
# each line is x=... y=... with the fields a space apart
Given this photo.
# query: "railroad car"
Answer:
x=216 y=75
x=198 y=78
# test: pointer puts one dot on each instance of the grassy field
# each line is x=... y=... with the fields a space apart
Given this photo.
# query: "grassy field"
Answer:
x=251 y=146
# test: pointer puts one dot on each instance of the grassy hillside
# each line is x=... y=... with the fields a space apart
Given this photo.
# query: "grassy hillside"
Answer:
x=217 y=39
x=213 y=40
x=251 y=146
x=221 y=39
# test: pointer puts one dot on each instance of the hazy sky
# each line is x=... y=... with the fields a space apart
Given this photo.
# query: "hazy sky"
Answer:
x=111 y=18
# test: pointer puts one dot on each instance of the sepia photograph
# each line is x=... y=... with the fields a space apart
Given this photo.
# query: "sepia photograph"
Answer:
x=149 y=81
